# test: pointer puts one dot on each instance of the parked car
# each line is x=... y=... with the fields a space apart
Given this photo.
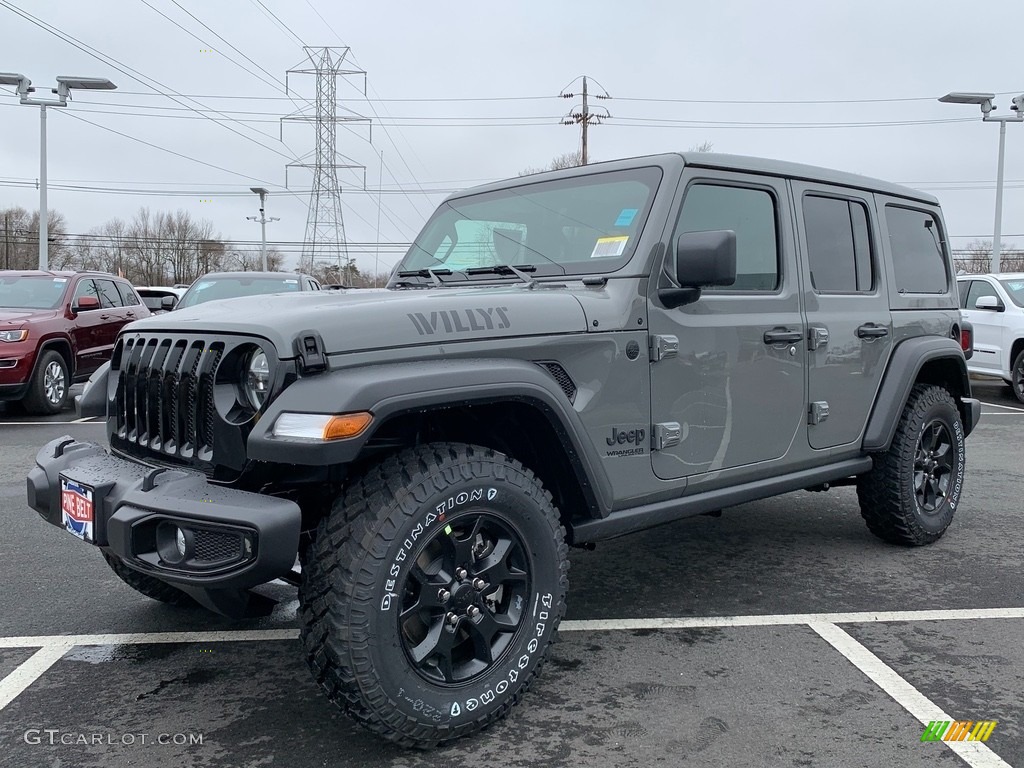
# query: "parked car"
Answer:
x=994 y=304
x=231 y=285
x=56 y=328
x=160 y=298
x=559 y=359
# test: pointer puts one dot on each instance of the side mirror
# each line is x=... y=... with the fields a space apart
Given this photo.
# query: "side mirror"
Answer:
x=167 y=302
x=990 y=303
x=85 y=303
x=701 y=259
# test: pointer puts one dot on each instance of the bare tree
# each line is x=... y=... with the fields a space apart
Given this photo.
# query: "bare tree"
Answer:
x=975 y=258
x=704 y=146
x=19 y=240
x=250 y=259
x=567 y=160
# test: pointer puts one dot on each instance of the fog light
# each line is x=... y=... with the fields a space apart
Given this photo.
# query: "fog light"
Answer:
x=174 y=545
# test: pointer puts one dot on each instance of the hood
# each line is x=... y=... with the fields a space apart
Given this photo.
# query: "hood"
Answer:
x=380 y=319
x=19 y=316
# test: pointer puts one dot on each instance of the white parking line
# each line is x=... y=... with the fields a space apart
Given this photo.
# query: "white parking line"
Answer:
x=78 y=422
x=30 y=671
x=974 y=753
x=1007 y=407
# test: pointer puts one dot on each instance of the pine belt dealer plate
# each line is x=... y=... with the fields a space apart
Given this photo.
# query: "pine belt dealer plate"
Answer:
x=76 y=509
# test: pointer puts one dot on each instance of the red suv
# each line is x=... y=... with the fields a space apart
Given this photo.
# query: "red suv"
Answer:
x=56 y=328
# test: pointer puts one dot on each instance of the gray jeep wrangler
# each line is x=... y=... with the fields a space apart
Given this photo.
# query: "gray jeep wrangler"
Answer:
x=558 y=359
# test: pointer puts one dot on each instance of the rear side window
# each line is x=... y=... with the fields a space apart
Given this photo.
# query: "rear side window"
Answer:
x=750 y=213
x=917 y=253
x=109 y=297
x=964 y=286
x=128 y=297
x=838 y=245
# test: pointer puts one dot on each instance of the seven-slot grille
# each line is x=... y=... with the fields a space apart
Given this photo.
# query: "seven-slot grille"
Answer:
x=164 y=401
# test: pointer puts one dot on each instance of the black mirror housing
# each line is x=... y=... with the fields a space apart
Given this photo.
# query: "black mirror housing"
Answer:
x=701 y=259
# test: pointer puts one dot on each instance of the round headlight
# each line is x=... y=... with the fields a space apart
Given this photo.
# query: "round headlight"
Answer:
x=257 y=378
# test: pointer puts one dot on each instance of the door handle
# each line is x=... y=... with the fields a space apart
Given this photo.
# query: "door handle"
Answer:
x=104 y=317
x=782 y=336
x=872 y=331
x=130 y=313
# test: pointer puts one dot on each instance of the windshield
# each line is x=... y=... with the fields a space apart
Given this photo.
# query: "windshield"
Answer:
x=1015 y=289
x=580 y=224
x=214 y=288
x=31 y=291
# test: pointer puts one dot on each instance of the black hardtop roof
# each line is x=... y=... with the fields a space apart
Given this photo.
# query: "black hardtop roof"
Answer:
x=754 y=165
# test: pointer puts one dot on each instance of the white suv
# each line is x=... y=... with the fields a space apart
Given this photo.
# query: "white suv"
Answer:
x=994 y=305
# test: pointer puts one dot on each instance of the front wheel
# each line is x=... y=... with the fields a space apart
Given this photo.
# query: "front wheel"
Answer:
x=1017 y=376
x=48 y=390
x=434 y=588
x=910 y=495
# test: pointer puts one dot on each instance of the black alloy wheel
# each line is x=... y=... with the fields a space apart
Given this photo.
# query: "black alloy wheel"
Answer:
x=933 y=465
x=463 y=599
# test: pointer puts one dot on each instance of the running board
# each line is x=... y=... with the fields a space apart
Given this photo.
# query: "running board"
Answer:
x=627 y=521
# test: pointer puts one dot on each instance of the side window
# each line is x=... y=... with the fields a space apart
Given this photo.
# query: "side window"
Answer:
x=86 y=288
x=918 y=256
x=980 y=288
x=109 y=297
x=838 y=244
x=128 y=297
x=964 y=286
x=750 y=213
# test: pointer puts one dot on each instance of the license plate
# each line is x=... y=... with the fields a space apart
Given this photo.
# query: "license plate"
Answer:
x=76 y=509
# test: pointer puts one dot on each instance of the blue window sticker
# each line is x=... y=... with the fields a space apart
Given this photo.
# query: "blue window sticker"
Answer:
x=626 y=217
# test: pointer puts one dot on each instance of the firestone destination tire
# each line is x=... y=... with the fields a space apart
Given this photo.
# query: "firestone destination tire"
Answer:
x=913 y=491
x=147 y=585
x=433 y=591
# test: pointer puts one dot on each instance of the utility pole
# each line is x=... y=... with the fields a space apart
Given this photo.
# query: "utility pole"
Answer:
x=7 y=240
x=263 y=222
x=583 y=116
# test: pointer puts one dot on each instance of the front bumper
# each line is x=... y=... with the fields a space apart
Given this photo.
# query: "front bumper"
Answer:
x=234 y=539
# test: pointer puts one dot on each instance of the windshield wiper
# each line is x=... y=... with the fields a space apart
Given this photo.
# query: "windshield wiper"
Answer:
x=506 y=269
x=429 y=273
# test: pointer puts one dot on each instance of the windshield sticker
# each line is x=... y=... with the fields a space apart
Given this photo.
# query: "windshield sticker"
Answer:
x=60 y=279
x=1016 y=285
x=290 y=282
x=626 y=217
x=607 y=247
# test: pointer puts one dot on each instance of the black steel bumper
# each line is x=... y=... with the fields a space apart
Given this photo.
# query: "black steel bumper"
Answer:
x=233 y=539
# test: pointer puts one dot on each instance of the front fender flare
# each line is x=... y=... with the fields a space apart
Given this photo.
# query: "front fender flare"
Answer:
x=394 y=389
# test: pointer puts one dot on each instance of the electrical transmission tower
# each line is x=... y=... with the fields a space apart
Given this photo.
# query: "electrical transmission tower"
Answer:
x=325 y=226
x=582 y=115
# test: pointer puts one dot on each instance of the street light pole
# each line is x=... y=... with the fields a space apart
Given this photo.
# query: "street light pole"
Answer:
x=263 y=222
x=984 y=100
x=63 y=91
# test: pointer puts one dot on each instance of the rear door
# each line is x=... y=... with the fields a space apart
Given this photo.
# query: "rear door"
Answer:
x=847 y=309
x=86 y=330
x=113 y=314
x=735 y=387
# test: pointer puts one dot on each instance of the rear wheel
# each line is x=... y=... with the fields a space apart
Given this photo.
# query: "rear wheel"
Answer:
x=910 y=495
x=147 y=585
x=433 y=591
x=48 y=391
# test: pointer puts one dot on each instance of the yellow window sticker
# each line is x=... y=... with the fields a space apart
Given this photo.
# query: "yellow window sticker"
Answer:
x=609 y=246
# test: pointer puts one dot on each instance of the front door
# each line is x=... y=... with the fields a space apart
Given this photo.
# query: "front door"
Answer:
x=735 y=387
x=849 y=326
x=988 y=330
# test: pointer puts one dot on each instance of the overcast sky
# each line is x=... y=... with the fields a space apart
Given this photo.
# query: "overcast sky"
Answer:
x=466 y=92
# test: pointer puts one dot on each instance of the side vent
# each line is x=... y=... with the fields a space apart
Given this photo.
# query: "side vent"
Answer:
x=565 y=382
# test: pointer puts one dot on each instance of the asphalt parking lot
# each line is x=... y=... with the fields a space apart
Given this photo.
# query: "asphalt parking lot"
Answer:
x=781 y=633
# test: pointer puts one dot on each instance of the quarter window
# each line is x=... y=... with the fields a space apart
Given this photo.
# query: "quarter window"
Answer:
x=750 y=213
x=918 y=258
x=838 y=245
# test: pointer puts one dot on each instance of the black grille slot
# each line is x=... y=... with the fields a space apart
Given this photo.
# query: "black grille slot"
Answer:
x=565 y=382
x=165 y=398
x=214 y=546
